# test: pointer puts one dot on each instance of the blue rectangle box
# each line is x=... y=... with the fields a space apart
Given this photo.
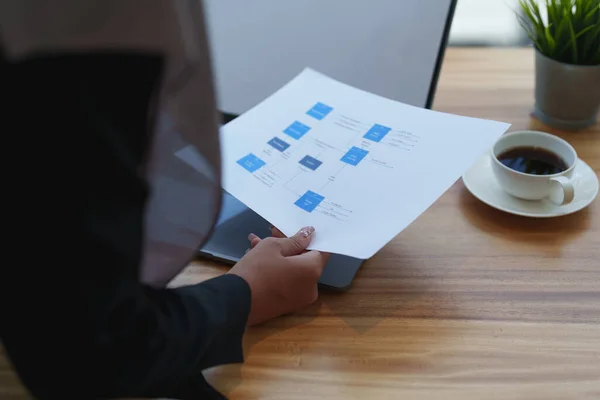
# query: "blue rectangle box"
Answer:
x=278 y=144
x=296 y=130
x=377 y=132
x=354 y=156
x=309 y=201
x=310 y=162
x=319 y=111
x=251 y=163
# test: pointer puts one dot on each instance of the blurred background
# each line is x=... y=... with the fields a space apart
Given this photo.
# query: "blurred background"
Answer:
x=487 y=23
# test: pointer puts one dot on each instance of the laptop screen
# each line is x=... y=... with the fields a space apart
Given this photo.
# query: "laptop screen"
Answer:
x=388 y=47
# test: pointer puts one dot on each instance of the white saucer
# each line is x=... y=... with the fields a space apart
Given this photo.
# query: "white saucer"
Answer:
x=481 y=182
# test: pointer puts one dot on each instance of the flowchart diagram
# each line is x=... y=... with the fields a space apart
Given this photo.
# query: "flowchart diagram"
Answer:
x=309 y=143
x=322 y=153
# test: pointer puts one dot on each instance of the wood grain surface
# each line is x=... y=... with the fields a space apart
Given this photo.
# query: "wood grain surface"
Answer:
x=467 y=303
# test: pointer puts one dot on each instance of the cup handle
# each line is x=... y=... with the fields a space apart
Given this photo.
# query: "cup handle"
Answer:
x=567 y=189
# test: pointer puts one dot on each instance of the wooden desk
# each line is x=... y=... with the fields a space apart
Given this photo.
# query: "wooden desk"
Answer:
x=467 y=303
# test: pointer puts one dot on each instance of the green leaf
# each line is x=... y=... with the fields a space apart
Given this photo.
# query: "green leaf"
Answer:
x=527 y=10
x=560 y=34
x=584 y=31
x=551 y=41
x=591 y=47
x=588 y=18
x=551 y=7
x=529 y=32
x=535 y=9
x=573 y=42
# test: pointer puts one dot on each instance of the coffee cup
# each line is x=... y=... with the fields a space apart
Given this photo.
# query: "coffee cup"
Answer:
x=533 y=165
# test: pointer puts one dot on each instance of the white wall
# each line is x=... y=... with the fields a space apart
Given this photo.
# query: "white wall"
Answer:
x=491 y=22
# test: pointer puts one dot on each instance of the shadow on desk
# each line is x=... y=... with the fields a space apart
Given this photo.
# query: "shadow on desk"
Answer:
x=547 y=235
x=393 y=284
x=394 y=302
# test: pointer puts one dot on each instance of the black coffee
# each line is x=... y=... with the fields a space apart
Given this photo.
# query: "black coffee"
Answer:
x=533 y=160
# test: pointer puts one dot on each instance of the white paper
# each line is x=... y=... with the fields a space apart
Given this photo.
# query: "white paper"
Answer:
x=374 y=165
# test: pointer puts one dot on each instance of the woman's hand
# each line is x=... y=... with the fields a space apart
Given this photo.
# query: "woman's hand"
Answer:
x=281 y=274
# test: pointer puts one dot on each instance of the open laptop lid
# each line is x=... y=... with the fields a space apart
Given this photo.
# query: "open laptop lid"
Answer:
x=388 y=47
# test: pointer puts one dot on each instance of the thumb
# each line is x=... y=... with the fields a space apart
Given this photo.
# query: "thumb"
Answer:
x=298 y=243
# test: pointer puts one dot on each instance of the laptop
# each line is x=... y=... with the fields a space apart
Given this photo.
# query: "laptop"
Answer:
x=414 y=82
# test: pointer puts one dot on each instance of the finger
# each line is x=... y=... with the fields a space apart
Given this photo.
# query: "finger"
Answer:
x=296 y=244
x=276 y=232
x=254 y=240
x=315 y=260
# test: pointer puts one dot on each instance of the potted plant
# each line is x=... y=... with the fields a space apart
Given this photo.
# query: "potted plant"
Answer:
x=566 y=35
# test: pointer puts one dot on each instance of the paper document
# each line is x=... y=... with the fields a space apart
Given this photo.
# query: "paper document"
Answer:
x=358 y=167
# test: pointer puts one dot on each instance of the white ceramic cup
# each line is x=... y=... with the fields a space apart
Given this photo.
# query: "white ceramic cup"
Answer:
x=558 y=188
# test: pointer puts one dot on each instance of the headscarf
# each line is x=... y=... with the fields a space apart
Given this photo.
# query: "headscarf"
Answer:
x=183 y=166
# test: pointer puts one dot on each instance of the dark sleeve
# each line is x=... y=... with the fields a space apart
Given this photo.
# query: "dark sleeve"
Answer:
x=76 y=322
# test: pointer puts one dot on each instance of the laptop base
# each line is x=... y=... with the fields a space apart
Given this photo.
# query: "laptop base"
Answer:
x=229 y=242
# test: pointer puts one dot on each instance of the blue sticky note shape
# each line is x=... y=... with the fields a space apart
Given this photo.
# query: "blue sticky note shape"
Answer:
x=354 y=156
x=310 y=162
x=309 y=201
x=319 y=111
x=377 y=132
x=296 y=130
x=251 y=163
x=278 y=144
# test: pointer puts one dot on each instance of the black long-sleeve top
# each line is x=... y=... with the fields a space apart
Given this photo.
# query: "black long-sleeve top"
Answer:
x=76 y=321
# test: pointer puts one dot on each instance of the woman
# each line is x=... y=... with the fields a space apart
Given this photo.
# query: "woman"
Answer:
x=101 y=95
